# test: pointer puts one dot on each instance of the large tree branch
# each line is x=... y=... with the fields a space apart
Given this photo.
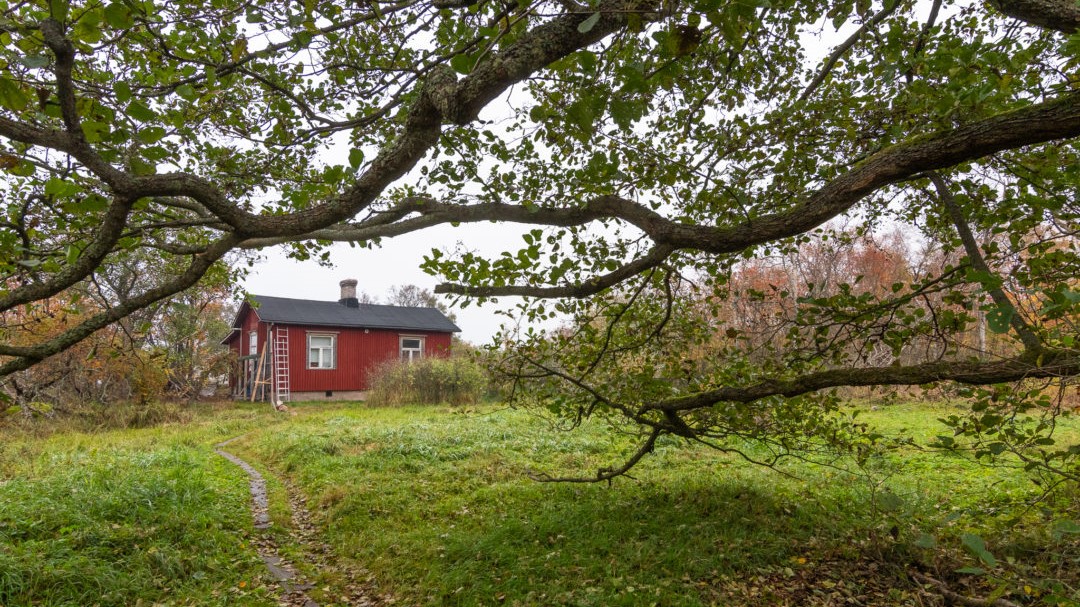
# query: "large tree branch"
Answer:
x=1059 y=15
x=442 y=99
x=113 y=222
x=1037 y=123
x=1049 y=364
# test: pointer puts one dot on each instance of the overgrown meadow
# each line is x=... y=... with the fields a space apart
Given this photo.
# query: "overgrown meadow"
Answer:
x=437 y=507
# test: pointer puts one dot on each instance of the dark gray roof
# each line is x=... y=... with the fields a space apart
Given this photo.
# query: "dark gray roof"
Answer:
x=333 y=314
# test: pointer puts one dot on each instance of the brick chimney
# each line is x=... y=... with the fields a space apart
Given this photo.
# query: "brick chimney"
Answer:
x=348 y=293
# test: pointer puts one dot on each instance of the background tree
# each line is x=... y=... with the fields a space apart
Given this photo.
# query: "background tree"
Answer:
x=417 y=297
x=412 y=296
x=187 y=336
x=171 y=349
x=654 y=144
x=111 y=365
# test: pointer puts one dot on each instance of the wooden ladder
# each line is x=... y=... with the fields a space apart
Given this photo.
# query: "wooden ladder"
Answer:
x=281 y=365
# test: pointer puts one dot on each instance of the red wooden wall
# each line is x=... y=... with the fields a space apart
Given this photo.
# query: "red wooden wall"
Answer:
x=358 y=351
x=248 y=323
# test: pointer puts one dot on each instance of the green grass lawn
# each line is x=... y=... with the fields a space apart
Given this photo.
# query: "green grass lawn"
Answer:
x=136 y=517
x=436 y=503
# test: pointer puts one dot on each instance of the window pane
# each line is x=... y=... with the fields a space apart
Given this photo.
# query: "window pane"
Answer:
x=413 y=344
x=321 y=351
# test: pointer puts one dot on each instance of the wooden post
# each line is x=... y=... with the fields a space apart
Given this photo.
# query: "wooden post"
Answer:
x=258 y=375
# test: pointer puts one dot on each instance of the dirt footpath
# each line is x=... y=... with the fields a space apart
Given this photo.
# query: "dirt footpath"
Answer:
x=316 y=555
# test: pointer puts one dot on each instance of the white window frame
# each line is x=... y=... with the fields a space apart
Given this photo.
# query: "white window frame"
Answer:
x=253 y=343
x=410 y=354
x=321 y=362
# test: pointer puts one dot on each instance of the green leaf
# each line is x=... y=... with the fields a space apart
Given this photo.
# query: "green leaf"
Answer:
x=139 y=111
x=34 y=61
x=142 y=167
x=1066 y=527
x=60 y=188
x=150 y=134
x=977 y=547
x=119 y=16
x=94 y=131
x=623 y=113
x=998 y=319
x=588 y=61
x=122 y=90
x=925 y=540
x=239 y=48
x=23 y=169
x=889 y=501
x=581 y=114
x=590 y=22
x=58 y=9
x=11 y=95
x=186 y=91
x=88 y=27
x=356 y=158
x=93 y=203
x=463 y=64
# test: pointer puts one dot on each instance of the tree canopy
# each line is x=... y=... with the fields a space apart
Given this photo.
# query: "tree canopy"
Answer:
x=656 y=146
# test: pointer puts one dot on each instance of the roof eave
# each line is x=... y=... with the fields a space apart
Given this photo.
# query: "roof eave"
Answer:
x=296 y=323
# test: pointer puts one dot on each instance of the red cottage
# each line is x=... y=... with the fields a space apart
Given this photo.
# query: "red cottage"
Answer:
x=299 y=349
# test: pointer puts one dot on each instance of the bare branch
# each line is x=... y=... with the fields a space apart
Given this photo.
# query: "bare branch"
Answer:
x=607 y=474
x=1031 y=342
x=956 y=597
x=653 y=258
x=845 y=46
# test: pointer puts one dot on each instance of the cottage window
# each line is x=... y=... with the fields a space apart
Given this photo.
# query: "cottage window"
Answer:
x=321 y=351
x=253 y=342
x=412 y=348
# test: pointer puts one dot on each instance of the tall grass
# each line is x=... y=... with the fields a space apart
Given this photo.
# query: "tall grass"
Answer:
x=453 y=381
x=42 y=419
x=147 y=516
